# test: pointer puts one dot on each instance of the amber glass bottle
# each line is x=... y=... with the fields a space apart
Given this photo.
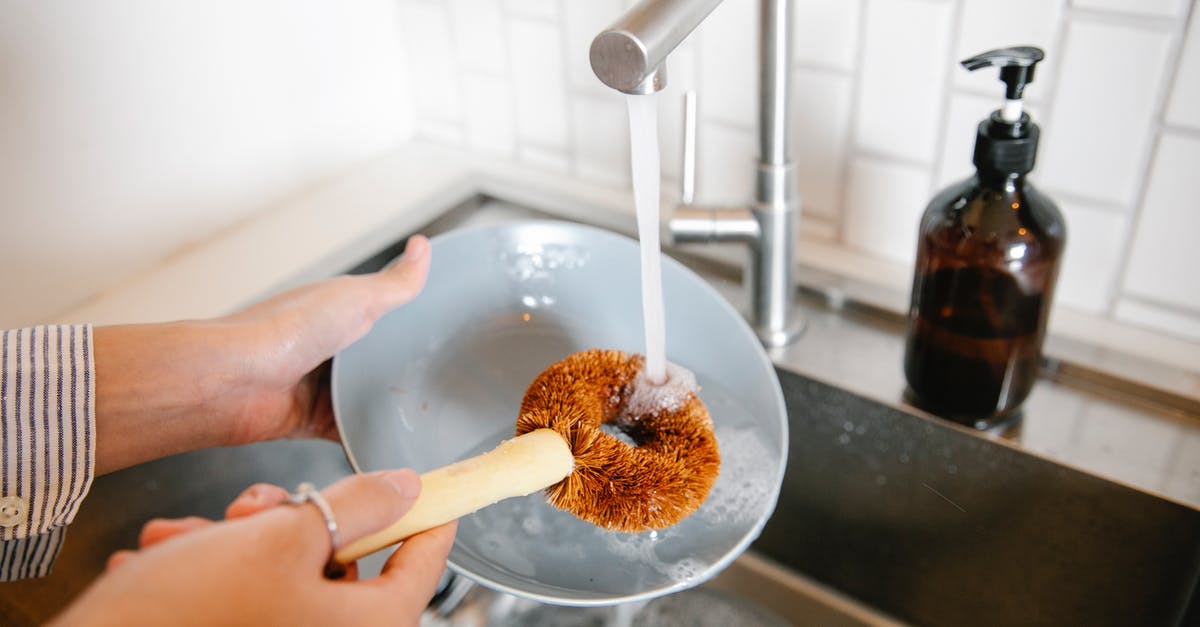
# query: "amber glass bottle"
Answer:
x=987 y=260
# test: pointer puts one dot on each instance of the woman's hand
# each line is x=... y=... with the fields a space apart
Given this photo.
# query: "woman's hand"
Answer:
x=264 y=564
x=258 y=374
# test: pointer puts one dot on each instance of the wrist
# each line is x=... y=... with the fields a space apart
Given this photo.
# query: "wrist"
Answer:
x=154 y=396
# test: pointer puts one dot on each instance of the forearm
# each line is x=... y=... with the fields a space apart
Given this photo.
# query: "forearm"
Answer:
x=153 y=395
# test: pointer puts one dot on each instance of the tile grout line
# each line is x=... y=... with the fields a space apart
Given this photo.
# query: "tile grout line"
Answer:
x=1170 y=308
x=851 y=138
x=506 y=20
x=572 y=149
x=939 y=159
x=1178 y=36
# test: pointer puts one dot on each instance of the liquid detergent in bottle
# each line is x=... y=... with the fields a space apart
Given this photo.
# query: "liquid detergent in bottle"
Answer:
x=988 y=257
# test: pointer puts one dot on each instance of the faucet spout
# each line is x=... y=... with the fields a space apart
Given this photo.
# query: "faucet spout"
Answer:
x=629 y=55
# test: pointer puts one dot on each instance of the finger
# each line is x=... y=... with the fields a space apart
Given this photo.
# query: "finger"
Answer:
x=161 y=529
x=403 y=279
x=117 y=558
x=413 y=570
x=362 y=505
x=254 y=499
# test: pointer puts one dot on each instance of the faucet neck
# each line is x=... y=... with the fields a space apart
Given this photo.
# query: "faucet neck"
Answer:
x=775 y=53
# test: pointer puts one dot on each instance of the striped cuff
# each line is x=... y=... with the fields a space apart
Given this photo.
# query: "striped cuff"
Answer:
x=32 y=556
x=47 y=439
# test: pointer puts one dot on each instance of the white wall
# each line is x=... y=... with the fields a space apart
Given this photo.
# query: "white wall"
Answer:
x=884 y=118
x=130 y=128
x=134 y=127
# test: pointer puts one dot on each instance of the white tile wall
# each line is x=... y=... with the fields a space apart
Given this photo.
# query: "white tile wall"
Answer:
x=1179 y=323
x=1165 y=258
x=583 y=21
x=550 y=160
x=547 y=9
x=134 y=129
x=488 y=117
x=1097 y=138
x=821 y=119
x=1090 y=265
x=448 y=133
x=884 y=206
x=826 y=32
x=478 y=34
x=682 y=78
x=728 y=56
x=884 y=116
x=601 y=138
x=958 y=145
x=724 y=165
x=1184 y=108
x=903 y=74
x=1157 y=8
x=428 y=35
x=539 y=83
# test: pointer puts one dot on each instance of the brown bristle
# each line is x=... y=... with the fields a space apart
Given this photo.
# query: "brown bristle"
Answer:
x=652 y=485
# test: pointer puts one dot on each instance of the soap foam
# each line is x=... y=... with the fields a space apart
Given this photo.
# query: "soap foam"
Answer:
x=745 y=483
x=648 y=398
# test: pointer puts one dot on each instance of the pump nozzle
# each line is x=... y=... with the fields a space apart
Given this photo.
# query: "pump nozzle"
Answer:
x=1016 y=70
x=1006 y=142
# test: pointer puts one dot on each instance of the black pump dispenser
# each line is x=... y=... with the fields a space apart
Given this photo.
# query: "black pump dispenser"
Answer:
x=1006 y=142
x=988 y=255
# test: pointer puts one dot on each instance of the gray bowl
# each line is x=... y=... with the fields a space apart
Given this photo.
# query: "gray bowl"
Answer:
x=442 y=377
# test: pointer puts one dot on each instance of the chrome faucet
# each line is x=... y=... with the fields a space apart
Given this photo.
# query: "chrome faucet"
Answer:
x=630 y=56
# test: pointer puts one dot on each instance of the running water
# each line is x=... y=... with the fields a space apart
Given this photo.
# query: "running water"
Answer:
x=643 y=144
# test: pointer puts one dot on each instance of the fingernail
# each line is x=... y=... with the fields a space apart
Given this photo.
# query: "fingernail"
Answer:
x=253 y=494
x=415 y=246
x=407 y=482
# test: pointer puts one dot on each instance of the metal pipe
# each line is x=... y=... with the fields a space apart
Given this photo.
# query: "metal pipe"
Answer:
x=776 y=199
x=687 y=192
x=773 y=56
x=628 y=55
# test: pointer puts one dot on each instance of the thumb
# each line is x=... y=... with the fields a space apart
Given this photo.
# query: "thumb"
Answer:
x=404 y=277
x=411 y=575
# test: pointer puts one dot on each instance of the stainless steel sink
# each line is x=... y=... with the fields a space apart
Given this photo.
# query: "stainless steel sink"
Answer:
x=886 y=515
x=891 y=515
x=936 y=525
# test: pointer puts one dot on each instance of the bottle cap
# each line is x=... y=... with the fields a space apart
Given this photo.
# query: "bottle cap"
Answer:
x=1006 y=142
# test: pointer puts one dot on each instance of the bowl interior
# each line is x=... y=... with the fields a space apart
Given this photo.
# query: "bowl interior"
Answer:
x=442 y=377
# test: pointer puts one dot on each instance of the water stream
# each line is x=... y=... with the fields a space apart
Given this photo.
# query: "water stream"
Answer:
x=644 y=159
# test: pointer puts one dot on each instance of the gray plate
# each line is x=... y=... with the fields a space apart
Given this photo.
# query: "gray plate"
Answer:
x=442 y=377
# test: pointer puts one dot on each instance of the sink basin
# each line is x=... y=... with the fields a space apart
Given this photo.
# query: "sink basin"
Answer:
x=888 y=514
x=885 y=515
x=935 y=525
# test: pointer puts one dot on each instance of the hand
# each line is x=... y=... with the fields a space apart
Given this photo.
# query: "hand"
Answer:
x=264 y=564
x=258 y=374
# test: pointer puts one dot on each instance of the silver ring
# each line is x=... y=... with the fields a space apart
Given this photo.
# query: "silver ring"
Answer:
x=308 y=493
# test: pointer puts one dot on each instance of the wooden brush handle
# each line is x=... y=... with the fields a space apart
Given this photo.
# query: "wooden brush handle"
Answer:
x=523 y=465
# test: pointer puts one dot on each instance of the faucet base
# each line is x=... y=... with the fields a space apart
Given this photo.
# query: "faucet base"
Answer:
x=778 y=338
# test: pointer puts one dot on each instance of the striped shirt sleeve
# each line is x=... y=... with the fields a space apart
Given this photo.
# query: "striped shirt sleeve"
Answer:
x=47 y=442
